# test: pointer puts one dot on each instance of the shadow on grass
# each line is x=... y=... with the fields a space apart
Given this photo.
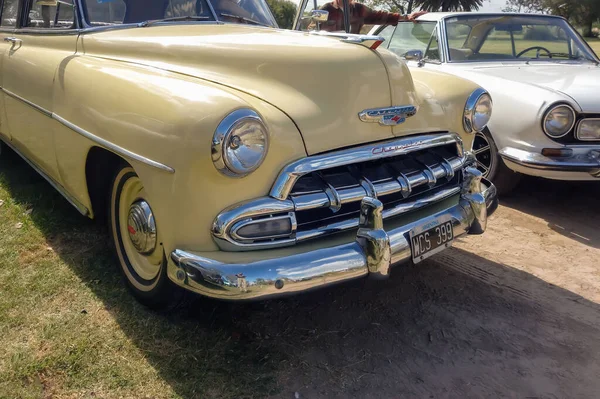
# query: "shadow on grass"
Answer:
x=569 y=208
x=439 y=329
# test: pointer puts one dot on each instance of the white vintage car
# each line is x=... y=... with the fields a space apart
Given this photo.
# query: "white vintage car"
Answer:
x=542 y=75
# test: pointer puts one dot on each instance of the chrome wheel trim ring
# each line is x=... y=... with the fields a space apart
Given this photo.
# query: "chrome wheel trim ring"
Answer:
x=142 y=227
x=142 y=269
x=483 y=154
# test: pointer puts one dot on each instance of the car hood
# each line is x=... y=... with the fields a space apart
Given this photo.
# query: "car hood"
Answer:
x=321 y=83
x=580 y=82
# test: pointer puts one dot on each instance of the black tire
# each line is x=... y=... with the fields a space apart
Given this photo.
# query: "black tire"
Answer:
x=490 y=163
x=158 y=292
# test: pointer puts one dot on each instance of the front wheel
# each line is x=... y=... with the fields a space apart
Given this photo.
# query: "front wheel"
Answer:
x=491 y=164
x=137 y=242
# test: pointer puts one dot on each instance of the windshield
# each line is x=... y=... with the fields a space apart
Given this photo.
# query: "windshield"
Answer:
x=509 y=37
x=115 y=12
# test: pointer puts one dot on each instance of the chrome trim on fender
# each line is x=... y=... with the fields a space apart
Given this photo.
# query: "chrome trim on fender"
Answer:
x=291 y=173
x=113 y=147
x=32 y=105
x=372 y=253
x=107 y=144
x=62 y=191
x=589 y=162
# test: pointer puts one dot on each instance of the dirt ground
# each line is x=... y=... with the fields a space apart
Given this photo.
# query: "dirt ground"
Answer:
x=511 y=313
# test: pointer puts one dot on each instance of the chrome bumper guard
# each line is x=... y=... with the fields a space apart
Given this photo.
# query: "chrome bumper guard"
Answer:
x=588 y=162
x=372 y=253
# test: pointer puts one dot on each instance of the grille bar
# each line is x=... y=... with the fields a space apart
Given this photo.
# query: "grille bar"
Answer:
x=407 y=182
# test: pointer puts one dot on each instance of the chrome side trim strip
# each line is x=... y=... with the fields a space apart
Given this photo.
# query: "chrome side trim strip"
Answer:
x=117 y=149
x=291 y=173
x=70 y=199
x=32 y=105
x=107 y=144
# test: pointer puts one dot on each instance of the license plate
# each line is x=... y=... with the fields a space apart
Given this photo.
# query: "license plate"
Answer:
x=431 y=238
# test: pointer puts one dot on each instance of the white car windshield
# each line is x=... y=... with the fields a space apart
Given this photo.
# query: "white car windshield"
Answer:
x=148 y=12
x=514 y=37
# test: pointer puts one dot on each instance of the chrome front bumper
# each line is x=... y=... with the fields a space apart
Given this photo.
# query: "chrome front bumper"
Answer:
x=587 y=161
x=372 y=253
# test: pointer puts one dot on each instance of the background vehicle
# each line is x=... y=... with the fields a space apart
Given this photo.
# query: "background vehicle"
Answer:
x=542 y=76
x=234 y=159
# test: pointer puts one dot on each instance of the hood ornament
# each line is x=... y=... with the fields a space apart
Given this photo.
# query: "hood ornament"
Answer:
x=391 y=116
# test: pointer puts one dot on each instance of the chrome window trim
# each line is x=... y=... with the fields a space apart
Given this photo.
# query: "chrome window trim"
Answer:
x=579 y=127
x=550 y=109
x=370 y=152
x=62 y=191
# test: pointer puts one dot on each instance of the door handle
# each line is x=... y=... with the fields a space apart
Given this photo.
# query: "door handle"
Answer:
x=12 y=40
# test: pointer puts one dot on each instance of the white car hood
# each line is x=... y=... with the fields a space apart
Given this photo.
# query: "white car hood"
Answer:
x=580 y=82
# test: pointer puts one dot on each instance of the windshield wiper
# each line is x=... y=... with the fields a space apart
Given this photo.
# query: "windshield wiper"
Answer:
x=184 y=18
x=244 y=19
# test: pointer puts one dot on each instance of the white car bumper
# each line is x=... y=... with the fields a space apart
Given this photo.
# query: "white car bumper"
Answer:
x=583 y=164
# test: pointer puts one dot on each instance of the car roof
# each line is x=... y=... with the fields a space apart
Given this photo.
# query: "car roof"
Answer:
x=437 y=16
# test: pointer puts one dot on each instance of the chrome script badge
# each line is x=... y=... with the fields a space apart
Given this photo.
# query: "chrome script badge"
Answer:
x=391 y=116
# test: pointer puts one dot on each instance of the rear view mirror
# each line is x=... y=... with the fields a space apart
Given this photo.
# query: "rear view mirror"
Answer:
x=413 y=55
x=319 y=15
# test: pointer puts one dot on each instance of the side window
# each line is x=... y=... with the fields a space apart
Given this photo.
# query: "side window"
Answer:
x=433 y=50
x=409 y=36
x=9 y=13
x=105 y=12
x=49 y=14
x=307 y=23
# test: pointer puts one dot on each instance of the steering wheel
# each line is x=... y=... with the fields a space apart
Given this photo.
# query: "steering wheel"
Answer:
x=538 y=48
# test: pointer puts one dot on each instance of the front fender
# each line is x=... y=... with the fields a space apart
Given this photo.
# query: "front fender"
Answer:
x=168 y=118
x=441 y=100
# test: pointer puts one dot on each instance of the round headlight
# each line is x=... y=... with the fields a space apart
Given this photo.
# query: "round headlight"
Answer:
x=559 y=121
x=478 y=111
x=240 y=143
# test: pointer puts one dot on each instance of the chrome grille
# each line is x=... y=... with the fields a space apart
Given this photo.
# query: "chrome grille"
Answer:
x=324 y=197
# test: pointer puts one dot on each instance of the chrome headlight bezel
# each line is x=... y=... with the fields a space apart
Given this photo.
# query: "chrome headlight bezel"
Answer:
x=567 y=129
x=581 y=123
x=476 y=99
x=221 y=143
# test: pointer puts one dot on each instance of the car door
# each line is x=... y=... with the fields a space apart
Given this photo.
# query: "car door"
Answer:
x=45 y=38
x=8 y=23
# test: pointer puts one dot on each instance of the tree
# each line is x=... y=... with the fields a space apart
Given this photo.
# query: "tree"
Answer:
x=580 y=12
x=284 y=12
x=449 y=5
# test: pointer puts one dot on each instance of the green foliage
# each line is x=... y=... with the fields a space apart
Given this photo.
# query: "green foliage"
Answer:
x=449 y=5
x=284 y=12
x=582 y=13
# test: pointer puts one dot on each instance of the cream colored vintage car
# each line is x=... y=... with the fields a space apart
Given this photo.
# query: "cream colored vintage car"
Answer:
x=235 y=159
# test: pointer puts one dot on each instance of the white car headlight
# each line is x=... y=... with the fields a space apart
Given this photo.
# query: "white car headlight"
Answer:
x=588 y=130
x=559 y=121
x=478 y=111
x=240 y=143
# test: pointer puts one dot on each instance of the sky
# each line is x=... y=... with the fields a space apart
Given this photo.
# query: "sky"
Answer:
x=493 y=5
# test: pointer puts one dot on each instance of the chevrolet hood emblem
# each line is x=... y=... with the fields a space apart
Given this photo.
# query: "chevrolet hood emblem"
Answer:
x=391 y=116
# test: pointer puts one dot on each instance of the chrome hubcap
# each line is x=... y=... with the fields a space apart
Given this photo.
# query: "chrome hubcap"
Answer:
x=483 y=154
x=142 y=227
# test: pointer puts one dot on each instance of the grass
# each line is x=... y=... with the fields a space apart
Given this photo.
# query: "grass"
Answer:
x=594 y=44
x=69 y=329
